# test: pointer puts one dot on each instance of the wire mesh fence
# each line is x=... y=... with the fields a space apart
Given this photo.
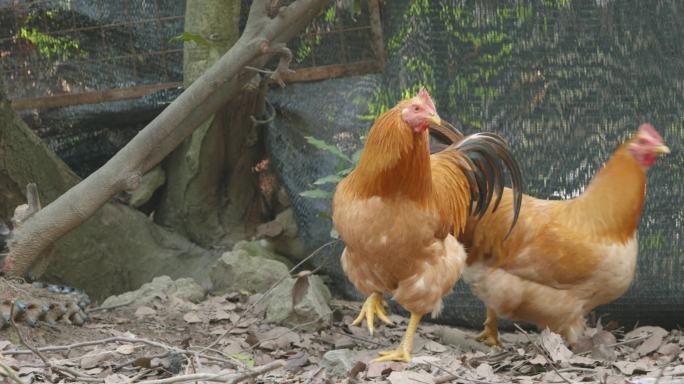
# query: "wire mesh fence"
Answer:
x=54 y=51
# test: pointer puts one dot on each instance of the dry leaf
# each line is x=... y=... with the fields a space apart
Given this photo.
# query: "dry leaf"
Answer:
x=408 y=377
x=300 y=287
x=191 y=318
x=669 y=349
x=116 y=379
x=94 y=358
x=645 y=331
x=359 y=367
x=270 y=229
x=630 y=367
x=554 y=345
x=143 y=362
x=126 y=349
x=220 y=315
x=484 y=371
x=144 y=311
x=650 y=345
x=435 y=347
x=378 y=369
x=297 y=361
x=4 y=344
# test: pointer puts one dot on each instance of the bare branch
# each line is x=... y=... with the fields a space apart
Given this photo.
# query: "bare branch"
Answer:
x=199 y=101
x=220 y=377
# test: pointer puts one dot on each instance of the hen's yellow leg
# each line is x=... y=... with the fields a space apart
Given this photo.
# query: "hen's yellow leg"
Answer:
x=490 y=333
x=403 y=353
x=374 y=305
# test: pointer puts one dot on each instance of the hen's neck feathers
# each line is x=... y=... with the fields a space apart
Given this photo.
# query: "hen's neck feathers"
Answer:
x=611 y=205
x=395 y=161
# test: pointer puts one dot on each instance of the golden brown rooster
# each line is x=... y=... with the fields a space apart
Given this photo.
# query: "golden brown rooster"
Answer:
x=565 y=257
x=396 y=212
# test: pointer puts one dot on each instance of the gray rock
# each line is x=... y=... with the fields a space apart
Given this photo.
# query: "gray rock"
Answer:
x=148 y=184
x=160 y=288
x=258 y=248
x=243 y=269
x=338 y=363
x=311 y=313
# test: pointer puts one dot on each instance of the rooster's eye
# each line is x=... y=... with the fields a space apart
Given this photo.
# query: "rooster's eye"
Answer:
x=416 y=108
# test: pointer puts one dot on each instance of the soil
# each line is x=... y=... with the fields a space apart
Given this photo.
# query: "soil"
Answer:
x=166 y=341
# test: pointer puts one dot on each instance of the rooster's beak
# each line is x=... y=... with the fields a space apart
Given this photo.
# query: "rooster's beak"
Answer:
x=661 y=149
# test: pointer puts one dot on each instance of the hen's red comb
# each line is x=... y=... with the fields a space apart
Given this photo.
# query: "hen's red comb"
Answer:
x=650 y=130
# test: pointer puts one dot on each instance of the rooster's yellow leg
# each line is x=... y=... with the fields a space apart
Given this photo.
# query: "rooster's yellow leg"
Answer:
x=490 y=333
x=403 y=353
x=374 y=305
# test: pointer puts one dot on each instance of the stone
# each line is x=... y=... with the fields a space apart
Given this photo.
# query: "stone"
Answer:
x=161 y=288
x=311 y=313
x=246 y=268
x=338 y=363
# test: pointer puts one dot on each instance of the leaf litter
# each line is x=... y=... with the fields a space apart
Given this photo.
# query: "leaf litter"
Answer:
x=144 y=344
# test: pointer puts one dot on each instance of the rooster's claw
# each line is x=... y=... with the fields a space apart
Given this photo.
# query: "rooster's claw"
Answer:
x=374 y=304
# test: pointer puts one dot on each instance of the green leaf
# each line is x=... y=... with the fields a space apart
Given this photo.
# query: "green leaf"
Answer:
x=345 y=172
x=322 y=145
x=317 y=194
x=330 y=179
x=356 y=156
x=248 y=361
x=195 y=38
x=324 y=215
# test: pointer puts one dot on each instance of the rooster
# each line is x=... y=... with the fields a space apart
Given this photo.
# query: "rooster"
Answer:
x=565 y=257
x=398 y=210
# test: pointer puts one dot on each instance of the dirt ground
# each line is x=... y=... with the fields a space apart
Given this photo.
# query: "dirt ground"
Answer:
x=224 y=339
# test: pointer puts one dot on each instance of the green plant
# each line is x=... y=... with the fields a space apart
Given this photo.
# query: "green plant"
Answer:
x=345 y=165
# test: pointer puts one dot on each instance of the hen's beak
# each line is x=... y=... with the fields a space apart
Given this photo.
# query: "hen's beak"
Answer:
x=661 y=149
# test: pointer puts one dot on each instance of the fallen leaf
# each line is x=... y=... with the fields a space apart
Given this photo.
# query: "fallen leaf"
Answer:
x=251 y=339
x=297 y=361
x=116 y=379
x=300 y=287
x=94 y=371
x=630 y=367
x=4 y=344
x=126 y=349
x=645 y=331
x=603 y=352
x=92 y=359
x=277 y=338
x=554 y=345
x=143 y=362
x=538 y=360
x=669 y=349
x=270 y=229
x=435 y=347
x=144 y=311
x=650 y=345
x=408 y=377
x=191 y=318
x=376 y=369
x=219 y=315
x=484 y=371
x=359 y=367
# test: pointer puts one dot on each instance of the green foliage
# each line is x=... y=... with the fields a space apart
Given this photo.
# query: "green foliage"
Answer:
x=345 y=165
x=244 y=358
x=50 y=46
x=193 y=37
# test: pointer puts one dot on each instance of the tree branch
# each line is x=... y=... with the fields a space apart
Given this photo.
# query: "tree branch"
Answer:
x=200 y=100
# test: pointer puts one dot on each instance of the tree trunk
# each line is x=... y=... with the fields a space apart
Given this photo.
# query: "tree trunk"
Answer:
x=116 y=250
x=210 y=186
x=266 y=32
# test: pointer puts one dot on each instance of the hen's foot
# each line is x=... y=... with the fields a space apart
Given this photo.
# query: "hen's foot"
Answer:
x=400 y=354
x=374 y=305
x=490 y=338
x=490 y=334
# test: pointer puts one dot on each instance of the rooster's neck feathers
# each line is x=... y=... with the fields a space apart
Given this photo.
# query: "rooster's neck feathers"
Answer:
x=395 y=161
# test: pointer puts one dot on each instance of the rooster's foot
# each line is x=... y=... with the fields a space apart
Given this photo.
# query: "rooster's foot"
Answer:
x=400 y=354
x=489 y=338
x=374 y=305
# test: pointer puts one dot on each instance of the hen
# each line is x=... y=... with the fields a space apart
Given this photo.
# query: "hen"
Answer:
x=398 y=209
x=565 y=257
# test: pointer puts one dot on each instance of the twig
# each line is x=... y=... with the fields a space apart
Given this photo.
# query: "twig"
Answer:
x=452 y=376
x=313 y=377
x=94 y=342
x=640 y=338
x=229 y=378
x=269 y=119
x=360 y=338
x=285 y=54
x=265 y=295
x=91 y=310
x=296 y=327
x=9 y=372
x=264 y=71
x=26 y=344
x=541 y=352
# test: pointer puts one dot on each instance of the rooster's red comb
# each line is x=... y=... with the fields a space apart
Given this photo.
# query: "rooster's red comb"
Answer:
x=424 y=96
